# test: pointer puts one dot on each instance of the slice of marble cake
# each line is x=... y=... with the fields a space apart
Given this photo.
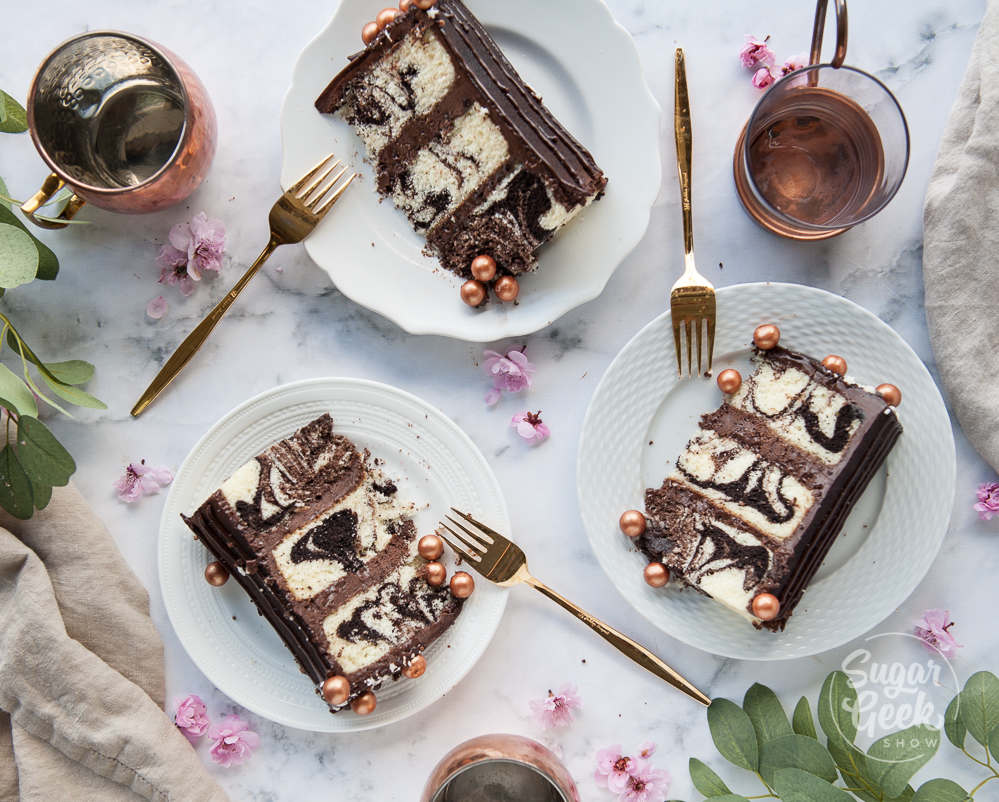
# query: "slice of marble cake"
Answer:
x=760 y=493
x=460 y=143
x=317 y=536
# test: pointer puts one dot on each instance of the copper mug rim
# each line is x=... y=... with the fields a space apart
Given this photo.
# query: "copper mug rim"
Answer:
x=96 y=189
x=787 y=225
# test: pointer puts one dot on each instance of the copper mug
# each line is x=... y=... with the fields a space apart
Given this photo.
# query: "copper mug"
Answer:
x=122 y=122
x=500 y=768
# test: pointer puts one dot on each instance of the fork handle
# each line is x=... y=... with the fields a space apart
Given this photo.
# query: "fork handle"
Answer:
x=684 y=146
x=189 y=347
x=622 y=643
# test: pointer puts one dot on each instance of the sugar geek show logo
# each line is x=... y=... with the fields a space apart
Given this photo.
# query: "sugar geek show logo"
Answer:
x=892 y=694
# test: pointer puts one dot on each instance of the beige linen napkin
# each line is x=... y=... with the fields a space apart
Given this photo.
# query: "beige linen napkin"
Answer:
x=961 y=247
x=81 y=670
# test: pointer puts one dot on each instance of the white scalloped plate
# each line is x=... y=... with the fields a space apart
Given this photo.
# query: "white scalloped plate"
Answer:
x=641 y=416
x=368 y=247
x=436 y=466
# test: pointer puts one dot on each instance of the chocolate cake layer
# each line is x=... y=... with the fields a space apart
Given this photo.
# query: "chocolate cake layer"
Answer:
x=760 y=494
x=460 y=142
x=310 y=528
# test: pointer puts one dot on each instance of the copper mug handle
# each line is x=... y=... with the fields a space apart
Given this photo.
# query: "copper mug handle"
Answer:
x=839 y=55
x=50 y=186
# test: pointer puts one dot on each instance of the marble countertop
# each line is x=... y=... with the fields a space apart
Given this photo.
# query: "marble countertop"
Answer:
x=292 y=324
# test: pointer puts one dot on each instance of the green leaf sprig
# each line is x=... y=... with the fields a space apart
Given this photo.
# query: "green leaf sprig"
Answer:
x=793 y=764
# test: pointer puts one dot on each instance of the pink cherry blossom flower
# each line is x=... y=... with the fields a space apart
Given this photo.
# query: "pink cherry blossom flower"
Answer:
x=756 y=52
x=555 y=710
x=934 y=630
x=510 y=374
x=234 y=741
x=202 y=240
x=529 y=426
x=173 y=269
x=645 y=784
x=157 y=307
x=797 y=62
x=613 y=769
x=646 y=750
x=988 y=501
x=763 y=78
x=141 y=480
x=191 y=717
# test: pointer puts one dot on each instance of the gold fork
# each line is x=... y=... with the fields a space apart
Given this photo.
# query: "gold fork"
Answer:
x=294 y=216
x=692 y=299
x=504 y=563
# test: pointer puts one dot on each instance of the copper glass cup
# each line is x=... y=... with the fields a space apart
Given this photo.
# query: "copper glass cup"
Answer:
x=500 y=768
x=122 y=122
x=825 y=148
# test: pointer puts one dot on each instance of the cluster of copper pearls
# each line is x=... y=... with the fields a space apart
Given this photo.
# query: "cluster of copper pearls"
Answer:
x=475 y=291
x=431 y=548
x=386 y=15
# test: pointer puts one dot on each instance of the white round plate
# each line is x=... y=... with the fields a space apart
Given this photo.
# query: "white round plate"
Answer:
x=368 y=247
x=642 y=415
x=436 y=466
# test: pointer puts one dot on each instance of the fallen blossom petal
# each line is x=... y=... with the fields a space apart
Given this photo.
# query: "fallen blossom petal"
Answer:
x=646 y=750
x=988 y=501
x=191 y=717
x=234 y=741
x=555 y=710
x=157 y=307
x=933 y=629
x=530 y=427
x=763 y=78
x=798 y=62
x=140 y=480
x=756 y=52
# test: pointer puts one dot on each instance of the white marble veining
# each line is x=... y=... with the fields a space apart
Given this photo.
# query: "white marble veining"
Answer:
x=292 y=324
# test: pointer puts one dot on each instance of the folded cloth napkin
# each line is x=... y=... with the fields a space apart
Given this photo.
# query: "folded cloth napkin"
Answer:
x=960 y=245
x=81 y=670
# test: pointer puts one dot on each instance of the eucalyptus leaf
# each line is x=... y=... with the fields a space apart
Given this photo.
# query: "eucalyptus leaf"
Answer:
x=893 y=759
x=705 y=780
x=837 y=707
x=795 y=785
x=4 y=203
x=41 y=494
x=43 y=457
x=38 y=391
x=953 y=723
x=19 y=346
x=13 y=119
x=796 y=751
x=72 y=371
x=74 y=395
x=14 y=393
x=994 y=742
x=980 y=705
x=802 y=721
x=18 y=257
x=48 y=263
x=15 y=487
x=766 y=713
x=940 y=791
x=733 y=734
x=727 y=798
x=847 y=756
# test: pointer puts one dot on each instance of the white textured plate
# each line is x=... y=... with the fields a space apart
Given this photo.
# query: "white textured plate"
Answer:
x=889 y=540
x=436 y=466
x=592 y=81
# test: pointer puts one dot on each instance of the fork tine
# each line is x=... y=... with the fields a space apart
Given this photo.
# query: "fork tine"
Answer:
x=699 y=324
x=308 y=176
x=486 y=534
x=466 y=549
x=689 y=330
x=304 y=194
x=676 y=342
x=472 y=538
x=465 y=555
x=335 y=196
x=711 y=339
